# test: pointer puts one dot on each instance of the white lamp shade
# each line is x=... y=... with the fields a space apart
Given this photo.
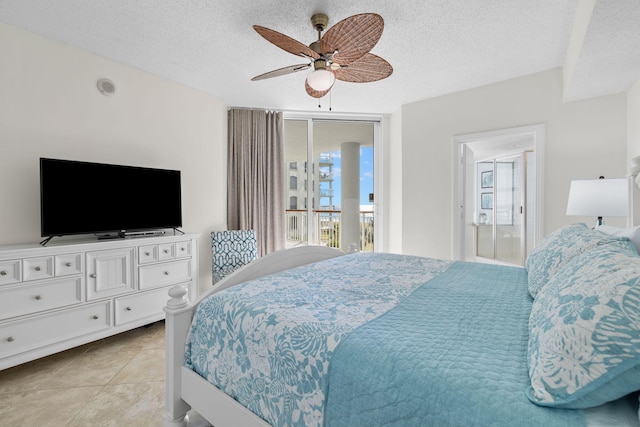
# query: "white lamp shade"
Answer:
x=321 y=80
x=599 y=197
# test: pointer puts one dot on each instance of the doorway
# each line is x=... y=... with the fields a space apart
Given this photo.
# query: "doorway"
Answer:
x=497 y=206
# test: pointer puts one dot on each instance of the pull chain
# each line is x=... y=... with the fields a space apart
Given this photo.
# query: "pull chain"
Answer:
x=320 y=103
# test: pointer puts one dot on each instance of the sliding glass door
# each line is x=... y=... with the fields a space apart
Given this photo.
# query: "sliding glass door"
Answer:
x=329 y=166
x=501 y=209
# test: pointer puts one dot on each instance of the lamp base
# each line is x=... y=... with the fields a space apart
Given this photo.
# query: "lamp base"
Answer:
x=599 y=222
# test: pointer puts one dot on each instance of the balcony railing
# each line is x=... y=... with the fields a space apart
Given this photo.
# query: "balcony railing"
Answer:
x=326 y=228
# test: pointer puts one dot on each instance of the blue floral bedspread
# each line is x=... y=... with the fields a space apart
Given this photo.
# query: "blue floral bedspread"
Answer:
x=319 y=345
x=268 y=343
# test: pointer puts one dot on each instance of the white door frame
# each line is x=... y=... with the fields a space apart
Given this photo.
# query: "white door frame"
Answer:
x=537 y=132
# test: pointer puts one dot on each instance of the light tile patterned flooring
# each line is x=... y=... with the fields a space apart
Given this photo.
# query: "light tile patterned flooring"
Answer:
x=117 y=381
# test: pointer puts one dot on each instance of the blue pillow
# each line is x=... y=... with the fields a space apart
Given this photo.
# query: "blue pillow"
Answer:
x=584 y=330
x=558 y=248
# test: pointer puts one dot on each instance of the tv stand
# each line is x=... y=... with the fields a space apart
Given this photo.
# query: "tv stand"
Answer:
x=61 y=296
x=47 y=240
x=124 y=234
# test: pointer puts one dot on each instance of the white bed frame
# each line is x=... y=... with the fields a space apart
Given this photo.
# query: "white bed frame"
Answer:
x=187 y=390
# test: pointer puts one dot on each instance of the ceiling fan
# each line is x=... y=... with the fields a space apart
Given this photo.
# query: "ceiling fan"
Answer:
x=342 y=53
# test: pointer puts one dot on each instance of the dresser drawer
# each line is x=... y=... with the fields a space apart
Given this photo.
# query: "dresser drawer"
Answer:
x=141 y=305
x=26 y=299
x=183 y=249
x=147 y=254
x=37 y=268
x=68 y=264
x=10 y=272
x=166 y=251
x=153 y=276
x=28 y=334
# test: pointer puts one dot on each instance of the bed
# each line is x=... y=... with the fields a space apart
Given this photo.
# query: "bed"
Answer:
x=310 y=336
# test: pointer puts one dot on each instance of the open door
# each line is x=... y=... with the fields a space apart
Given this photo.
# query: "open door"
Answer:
x=498 y=212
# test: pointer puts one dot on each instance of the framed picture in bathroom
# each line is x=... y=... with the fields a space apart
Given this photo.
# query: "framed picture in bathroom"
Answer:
x=486 y=179
x=486 y=200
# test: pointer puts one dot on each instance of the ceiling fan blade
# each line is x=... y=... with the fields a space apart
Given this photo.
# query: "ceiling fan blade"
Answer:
x=285 y=42
x=282 y=71
x=353 y=37
x=315 y=93
x=369 y=68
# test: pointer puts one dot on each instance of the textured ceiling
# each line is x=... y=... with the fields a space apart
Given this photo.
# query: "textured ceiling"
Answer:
x=608 y=49
x=436 y=47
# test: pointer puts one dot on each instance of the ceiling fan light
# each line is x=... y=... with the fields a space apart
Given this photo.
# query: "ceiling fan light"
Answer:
x=321 y=80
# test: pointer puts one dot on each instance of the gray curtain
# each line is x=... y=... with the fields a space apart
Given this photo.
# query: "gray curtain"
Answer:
x=255 y=177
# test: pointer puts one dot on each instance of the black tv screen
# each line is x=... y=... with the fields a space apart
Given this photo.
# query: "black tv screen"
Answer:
x=82 y=198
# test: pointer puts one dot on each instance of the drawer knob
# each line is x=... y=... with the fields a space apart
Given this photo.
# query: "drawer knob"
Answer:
x=93 y=276
x=11 y=339
x=3 y=273
x=128 y=309
x=166 y=251
x=147 y=254
x=38 y=297
x=182 y=249
x=37 y=268
x=166 y=273
x=96 y=317
x=68 y=264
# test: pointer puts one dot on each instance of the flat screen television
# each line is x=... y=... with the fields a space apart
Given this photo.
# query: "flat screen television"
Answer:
x=90 y=198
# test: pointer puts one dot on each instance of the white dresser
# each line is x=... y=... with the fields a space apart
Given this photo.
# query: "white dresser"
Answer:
x=70 y=293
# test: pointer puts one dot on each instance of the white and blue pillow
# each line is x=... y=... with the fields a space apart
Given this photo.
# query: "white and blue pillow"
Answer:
x=632 y=233
x=584 y=330
x=557 y=249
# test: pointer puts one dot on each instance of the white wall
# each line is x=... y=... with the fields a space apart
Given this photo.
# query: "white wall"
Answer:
x=633 y=120
x=394 y=183
x=584 y=139
x=633 y=139
x=382 y=207
x=50 y=107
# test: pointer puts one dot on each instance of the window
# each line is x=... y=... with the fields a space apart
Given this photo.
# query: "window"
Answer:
x=335 y=155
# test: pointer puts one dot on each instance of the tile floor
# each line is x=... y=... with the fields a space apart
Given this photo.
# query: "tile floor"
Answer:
x=117 y=381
